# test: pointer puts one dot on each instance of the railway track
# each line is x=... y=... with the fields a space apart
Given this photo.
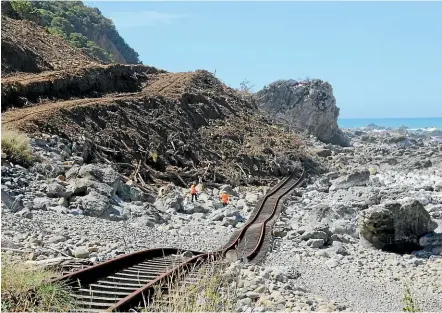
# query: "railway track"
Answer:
x=257 y=231
x=130 y=280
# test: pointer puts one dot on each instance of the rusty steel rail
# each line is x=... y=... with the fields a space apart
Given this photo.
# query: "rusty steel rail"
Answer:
x=248 y=241
x=123 y=282
x=129 y=281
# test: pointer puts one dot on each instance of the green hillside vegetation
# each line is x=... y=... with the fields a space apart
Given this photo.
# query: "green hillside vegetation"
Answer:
x=83 y=27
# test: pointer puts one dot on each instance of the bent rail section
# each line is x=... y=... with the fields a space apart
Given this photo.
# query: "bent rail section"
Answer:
x=128 y=281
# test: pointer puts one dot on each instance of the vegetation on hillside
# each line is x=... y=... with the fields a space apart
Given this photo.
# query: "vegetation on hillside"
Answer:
x=26 y=289
x=83 y=27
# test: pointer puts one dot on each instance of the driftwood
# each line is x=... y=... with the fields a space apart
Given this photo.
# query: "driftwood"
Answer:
x=106 y=149
x=15 y=250
x=136 y=171
x=49 y=262
x=86 y=155
x=180 y=179
x=141 y=179
x=143 y=188
x=58 y=251
x=242 y=170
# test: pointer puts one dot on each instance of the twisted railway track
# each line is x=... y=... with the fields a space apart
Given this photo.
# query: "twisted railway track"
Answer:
x=130 y=280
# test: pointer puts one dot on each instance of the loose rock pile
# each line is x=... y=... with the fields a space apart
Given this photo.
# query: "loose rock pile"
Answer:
x=270 y=289
x=382 y=193
x=87 y=211
x=321 y=236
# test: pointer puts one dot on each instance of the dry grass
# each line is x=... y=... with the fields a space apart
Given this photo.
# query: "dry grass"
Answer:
x=212 y=289
x=16 y=146
x=26 y=289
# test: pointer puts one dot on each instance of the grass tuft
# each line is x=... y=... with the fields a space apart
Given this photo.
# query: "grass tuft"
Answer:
x=26 y=289
x=409 y=305
x=16 y=146
x=213 y=289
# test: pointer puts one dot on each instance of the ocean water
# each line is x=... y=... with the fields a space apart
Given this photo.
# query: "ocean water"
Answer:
x=412 y=123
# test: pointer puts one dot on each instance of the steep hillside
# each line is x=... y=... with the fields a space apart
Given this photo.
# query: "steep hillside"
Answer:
x=308 y=105
x=27 y=47
x=81 y=26
x=158 y=126
x=178 y=127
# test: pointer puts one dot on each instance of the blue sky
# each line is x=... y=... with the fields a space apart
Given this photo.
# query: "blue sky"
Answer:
x=383 y=59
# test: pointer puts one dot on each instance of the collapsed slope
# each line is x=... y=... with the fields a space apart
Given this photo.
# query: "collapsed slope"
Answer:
x=177 y=127
x=90 y=81
x=79 y=25
x=153 y=125
x=27 y=47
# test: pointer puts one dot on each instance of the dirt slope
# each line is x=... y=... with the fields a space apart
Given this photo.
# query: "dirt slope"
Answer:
x=26 y=89
x=161 y=126
x=179 y=127
x=27 y=47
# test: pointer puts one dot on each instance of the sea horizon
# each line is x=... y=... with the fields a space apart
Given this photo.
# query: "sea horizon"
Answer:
x=393 y=122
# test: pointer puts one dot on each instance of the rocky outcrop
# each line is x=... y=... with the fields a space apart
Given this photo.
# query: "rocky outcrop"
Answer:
x=356 y=178
x=395 y=223
x=308 y=105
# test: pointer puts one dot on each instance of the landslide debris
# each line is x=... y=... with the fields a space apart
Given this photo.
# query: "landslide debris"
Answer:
x=27 y=47
x=90 y=81
x=153 y=125
x=179 y=127
x=80 y=25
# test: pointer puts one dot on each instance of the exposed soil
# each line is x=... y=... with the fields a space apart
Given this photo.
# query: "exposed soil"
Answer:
x=27 y=47
x=91 y=81
x=155 y=126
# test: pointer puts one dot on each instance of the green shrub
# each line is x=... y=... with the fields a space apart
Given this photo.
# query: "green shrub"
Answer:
x=65 y=18
x=22 y=7
x=409 y=305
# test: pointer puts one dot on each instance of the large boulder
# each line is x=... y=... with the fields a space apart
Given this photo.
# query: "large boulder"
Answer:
x=41 y=203
x=308 y=105
x=251 y=198
x=340 y=218
x=229 y=190
x=93 y=204
x=78 y=186
x=194 y=207
x=393 y=223
x=13 y=204
x=172 y=202
x=147 y=215
x=128 y=192
x=357 y=178
x=56 y=190
x=104 y=174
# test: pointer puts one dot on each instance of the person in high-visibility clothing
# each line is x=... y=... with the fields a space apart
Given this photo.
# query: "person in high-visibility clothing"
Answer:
x=193 y=192
x=224 y=198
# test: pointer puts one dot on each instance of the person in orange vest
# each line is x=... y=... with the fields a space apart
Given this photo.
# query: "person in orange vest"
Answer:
x=193 y=192
x=224 y=198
